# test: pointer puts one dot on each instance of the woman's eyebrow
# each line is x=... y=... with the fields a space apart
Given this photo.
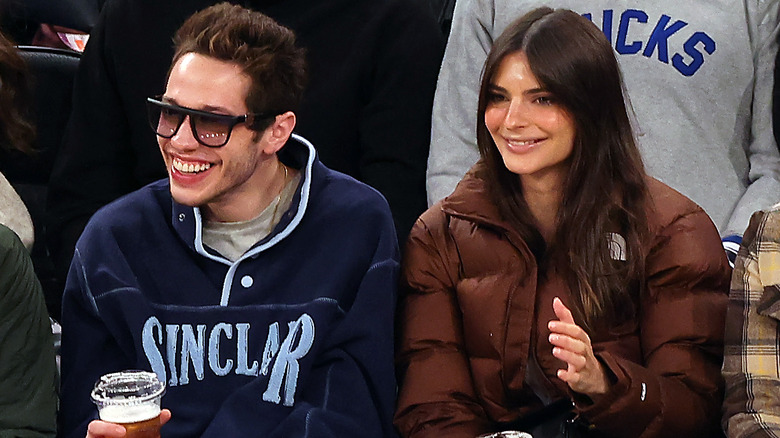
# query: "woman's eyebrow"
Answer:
x=535 y=91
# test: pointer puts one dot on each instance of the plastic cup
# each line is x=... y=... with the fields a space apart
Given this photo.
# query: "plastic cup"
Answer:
x=131 y=399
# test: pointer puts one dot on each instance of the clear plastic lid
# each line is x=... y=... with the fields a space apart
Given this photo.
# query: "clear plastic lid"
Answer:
x=507 y=434
x=131 y=387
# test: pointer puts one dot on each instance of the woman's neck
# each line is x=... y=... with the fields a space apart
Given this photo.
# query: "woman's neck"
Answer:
x=544 y=200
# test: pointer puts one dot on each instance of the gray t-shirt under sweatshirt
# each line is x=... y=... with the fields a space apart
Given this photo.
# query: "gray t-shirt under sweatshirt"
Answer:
x=699 y=75
x=233 y=239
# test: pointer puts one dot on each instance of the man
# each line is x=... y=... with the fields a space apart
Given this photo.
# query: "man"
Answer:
x=751 y=365
x=255 y=281
x=367 y=106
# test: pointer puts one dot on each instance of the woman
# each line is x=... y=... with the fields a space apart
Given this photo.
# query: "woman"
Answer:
x=28 y=373
x=559 y=280
x=16 y=137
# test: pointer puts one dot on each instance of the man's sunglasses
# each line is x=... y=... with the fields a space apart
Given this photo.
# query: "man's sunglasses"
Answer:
x=209 y=129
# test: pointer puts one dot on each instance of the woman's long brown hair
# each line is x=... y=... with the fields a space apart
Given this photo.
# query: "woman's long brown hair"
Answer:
x=605 y=190
x=16 y=130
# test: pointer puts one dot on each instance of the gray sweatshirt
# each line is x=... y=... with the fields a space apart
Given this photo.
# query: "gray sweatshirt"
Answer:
x=699 y=76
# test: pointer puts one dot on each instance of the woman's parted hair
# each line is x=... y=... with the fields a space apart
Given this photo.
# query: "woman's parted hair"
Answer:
x=606 y=187
x=264 y=49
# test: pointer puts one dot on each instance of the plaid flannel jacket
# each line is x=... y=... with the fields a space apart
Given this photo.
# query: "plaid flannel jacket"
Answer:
x=751 y=365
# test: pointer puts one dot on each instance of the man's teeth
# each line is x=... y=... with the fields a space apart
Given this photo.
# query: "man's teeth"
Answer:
x=189 y=167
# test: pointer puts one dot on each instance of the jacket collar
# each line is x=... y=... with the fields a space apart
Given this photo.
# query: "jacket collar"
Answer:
x=298 y=153
x=471 y=200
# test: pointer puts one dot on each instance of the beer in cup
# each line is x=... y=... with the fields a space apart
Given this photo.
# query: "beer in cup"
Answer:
x=130 y=399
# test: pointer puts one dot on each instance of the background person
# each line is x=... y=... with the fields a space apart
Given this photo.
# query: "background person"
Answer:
x=750 y=366
x=28 y=374
x=222 y=279
x=16 y=137
x=530 y=296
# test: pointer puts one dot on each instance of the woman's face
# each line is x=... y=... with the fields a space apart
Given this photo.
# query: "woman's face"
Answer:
x=533 y=132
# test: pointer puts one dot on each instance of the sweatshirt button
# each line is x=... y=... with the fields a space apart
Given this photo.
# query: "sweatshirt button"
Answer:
x=247 y=281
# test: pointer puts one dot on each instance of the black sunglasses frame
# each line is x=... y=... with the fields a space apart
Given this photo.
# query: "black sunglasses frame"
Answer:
x=155 y=103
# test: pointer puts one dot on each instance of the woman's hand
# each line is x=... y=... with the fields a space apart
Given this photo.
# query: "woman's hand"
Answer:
x=104 y=429
x=571 y=344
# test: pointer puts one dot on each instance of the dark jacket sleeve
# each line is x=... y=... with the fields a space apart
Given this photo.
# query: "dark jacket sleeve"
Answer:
x=678 y=389
x=395 y=123
x=28 y=399
x=442 y=402
x=89 y=350
x=87 y=173
x=108 y=149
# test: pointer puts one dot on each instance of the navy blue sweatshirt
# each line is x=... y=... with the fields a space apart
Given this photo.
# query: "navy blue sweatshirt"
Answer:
x=293 y=339
x=372 y=68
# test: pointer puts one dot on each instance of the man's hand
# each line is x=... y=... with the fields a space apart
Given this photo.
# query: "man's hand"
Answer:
x=104 y=429
x=584 y=373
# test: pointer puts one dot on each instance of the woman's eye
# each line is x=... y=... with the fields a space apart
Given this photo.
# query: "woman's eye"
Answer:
x=544 y=100
x=496 y=97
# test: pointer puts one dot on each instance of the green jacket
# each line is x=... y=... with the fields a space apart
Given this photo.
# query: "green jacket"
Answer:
x=28 y=398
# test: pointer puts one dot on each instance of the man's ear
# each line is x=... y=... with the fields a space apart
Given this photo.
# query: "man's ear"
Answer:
x=279 y=132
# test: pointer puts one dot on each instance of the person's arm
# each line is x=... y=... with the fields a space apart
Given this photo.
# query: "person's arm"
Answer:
x=349 y=390
x=395 y=123
x=762 y=151
x=28 y=398
x=678 y=389
x=88 y=351
x=437 y=396
x=750 y=367
x=453 y=147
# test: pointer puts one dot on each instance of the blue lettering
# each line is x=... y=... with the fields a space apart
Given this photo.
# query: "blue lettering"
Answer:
x=280 y=358
x=271 y=348
x=214 y=349
x=171 y=333
x=287 y=361
x=660 y=38
x=243 y=355
x=625 y=18
x=150 y=346
x=606 y=24
x=693 y=52
x=192 y=348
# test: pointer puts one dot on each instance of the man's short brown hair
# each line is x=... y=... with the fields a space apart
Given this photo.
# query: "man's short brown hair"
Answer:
x=264 y=49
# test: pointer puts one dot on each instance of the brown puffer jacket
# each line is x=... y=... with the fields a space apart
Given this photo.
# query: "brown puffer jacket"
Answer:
x=470 y=320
